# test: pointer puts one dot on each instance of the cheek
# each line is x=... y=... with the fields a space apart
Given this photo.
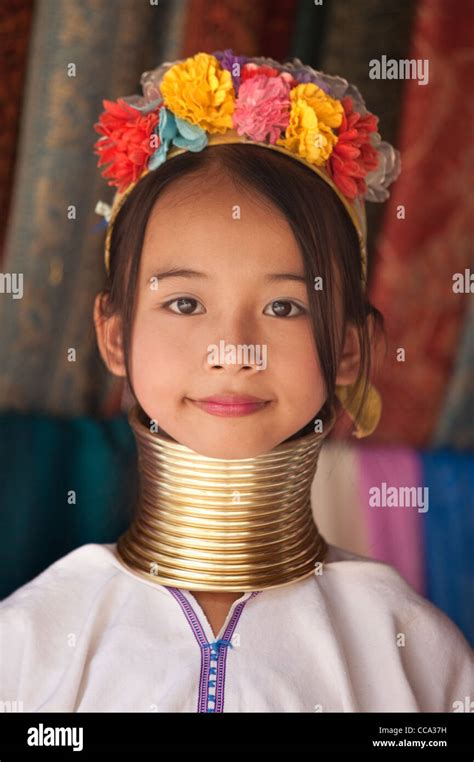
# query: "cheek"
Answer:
x=157 y=355
x=296 y=363
x=295 y=350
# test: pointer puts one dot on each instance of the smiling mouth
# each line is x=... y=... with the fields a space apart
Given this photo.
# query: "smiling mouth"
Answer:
x=230 y=408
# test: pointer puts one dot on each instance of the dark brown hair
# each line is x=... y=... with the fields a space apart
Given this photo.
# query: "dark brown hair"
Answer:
x=321 y=225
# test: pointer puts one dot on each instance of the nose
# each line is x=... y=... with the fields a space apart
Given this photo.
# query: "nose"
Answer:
x=235 y=348
x=231 y=359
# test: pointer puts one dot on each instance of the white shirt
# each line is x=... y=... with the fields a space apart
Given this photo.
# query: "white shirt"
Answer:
x=89 y=635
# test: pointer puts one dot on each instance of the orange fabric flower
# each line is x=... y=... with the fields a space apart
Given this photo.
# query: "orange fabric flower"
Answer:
x=126 y=144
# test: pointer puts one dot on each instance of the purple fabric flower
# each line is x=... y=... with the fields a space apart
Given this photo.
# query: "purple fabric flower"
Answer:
x=303 y=76
x=336 y=87
x=385 y=174
x=227 y=60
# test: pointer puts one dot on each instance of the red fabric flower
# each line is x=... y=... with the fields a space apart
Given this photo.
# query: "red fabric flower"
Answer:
x=126 y=143
x=250 y=70
x=353 y=155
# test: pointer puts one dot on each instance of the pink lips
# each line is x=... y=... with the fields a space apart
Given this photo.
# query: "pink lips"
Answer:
x=230 y=405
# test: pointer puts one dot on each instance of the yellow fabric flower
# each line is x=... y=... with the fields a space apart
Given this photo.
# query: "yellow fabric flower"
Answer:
x=313 y=115
x=201 y=92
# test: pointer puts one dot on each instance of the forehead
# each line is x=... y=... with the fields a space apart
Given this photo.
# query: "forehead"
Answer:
x=216 y=221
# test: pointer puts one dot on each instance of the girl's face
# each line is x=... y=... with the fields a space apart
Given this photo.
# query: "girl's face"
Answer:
x=236 y=322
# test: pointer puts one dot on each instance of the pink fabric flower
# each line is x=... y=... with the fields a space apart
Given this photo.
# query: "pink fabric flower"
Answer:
x=262 y=109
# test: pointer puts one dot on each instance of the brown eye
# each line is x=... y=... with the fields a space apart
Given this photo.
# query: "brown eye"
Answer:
x=283 y=307
x=185 y=305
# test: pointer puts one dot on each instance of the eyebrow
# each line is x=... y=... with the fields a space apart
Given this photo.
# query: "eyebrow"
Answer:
x=185 y=273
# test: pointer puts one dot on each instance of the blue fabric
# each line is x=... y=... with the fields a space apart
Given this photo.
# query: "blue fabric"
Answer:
x=455 y=425
x=449 y=534
x=41 y=460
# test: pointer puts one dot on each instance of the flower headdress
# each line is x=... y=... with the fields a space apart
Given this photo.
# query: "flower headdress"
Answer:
x=211 y=99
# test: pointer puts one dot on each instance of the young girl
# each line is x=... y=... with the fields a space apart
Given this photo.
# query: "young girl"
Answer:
x=236 y=309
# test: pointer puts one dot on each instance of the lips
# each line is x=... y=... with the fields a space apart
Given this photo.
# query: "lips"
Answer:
x=231 y=399
x=230 y=405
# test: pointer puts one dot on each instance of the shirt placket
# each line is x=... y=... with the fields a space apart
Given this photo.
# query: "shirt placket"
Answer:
x=213 y=654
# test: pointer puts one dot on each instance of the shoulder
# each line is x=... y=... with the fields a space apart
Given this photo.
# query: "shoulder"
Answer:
x=41 y=622
x=59 y=595
x=378 y=600
x=366 y=577
x=380 y=586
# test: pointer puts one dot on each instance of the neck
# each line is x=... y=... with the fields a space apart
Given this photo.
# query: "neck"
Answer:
x=221 y=525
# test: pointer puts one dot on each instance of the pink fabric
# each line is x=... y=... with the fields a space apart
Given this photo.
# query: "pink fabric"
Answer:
x=395 y=534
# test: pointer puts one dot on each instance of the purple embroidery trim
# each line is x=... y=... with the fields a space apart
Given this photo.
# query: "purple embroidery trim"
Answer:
x=200 y=636
x=205 y=648
x=222 y=655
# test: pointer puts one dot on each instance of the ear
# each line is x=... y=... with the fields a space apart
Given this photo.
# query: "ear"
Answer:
x=349 y=360
x=109 y=338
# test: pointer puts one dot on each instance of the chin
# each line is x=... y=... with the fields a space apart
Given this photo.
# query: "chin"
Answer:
x=228 y=450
